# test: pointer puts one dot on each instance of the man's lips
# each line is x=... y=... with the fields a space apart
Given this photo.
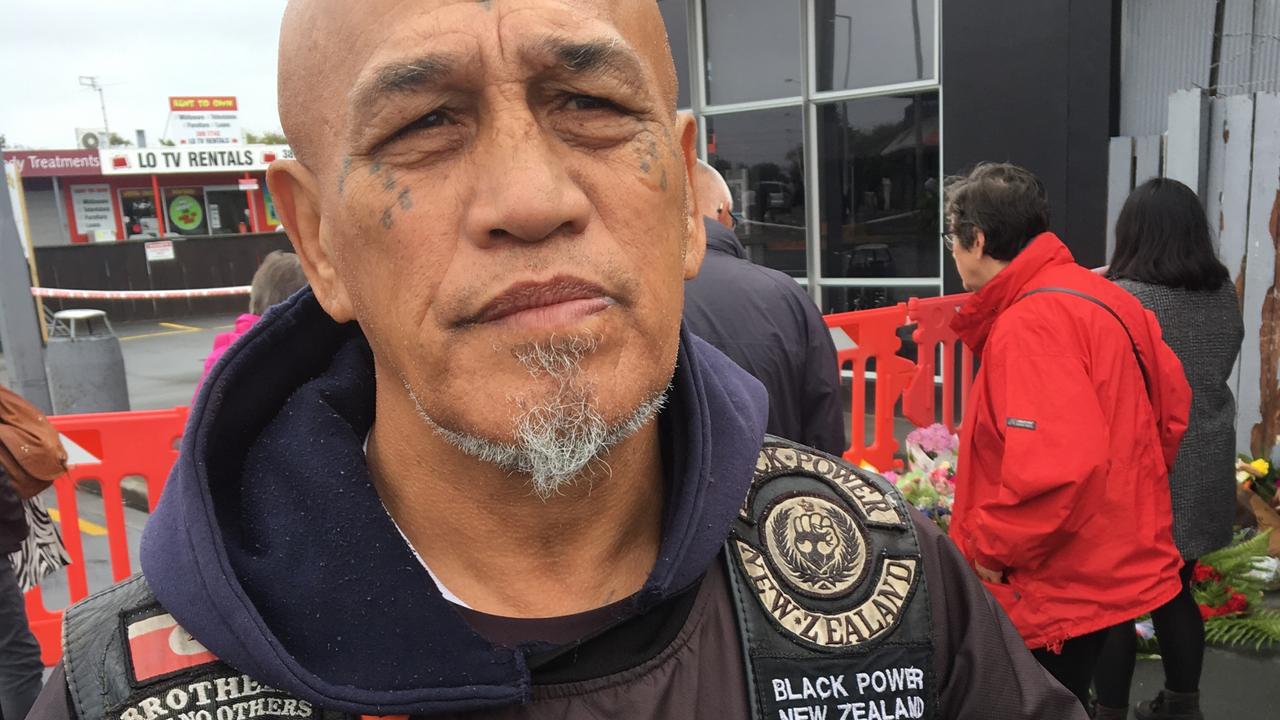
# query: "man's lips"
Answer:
x=557 y=301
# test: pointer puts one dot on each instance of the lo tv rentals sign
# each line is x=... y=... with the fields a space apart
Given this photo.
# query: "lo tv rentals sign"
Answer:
x=173 y=160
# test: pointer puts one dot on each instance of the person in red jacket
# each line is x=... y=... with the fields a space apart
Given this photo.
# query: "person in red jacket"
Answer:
x=1074 y=419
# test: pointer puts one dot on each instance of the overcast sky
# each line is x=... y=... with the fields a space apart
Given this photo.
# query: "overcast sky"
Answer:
x=142 y=51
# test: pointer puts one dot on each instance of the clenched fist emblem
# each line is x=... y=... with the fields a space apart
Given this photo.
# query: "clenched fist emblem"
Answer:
x=816 y=544
x=816 y=539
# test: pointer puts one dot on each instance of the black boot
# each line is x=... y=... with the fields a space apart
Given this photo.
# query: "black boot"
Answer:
x=1102 y=712
x=1170 y=705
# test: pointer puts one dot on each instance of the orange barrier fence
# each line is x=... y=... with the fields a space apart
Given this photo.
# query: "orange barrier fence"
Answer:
x=876 y=344
x=134 y=443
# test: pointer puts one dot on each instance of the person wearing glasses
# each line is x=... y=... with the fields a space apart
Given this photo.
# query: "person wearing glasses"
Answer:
x=1062 y=500
x=766 y=323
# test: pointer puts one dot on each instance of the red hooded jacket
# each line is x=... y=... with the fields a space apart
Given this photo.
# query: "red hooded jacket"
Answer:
x=1064 y=456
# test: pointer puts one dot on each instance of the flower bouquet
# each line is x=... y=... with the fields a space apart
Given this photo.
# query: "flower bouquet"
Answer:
x=1228 y=584
x=929 y=480
x=1257 y=499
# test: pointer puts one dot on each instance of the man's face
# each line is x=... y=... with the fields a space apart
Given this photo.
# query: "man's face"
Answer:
x=487 y=179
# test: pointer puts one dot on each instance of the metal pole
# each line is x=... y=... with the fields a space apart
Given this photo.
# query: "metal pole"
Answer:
x=102 y=100
x=19 y=332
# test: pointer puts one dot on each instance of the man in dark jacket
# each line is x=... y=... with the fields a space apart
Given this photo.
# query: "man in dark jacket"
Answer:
x=21 y=671
x=478 y=467
x=764 y=321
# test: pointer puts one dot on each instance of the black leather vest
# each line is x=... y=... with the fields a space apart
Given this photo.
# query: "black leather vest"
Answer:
x=828 y=586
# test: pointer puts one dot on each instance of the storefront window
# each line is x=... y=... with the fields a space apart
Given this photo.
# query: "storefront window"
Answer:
x=880 y=187
x=675 y=13
x=761 y=156
x=228 y=210
x=185 y=212
x=866 y=43
x=138 y=208
x=753 y=50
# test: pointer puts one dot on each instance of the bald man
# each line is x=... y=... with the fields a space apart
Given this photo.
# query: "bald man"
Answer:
x=478 y=468
x=766 y=323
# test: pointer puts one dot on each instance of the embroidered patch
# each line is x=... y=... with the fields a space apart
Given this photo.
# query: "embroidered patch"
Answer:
x=216 y=692
x=875 y=507
x=1021 y=424
x=816 y=545
x=159 y=647
x=873 y=618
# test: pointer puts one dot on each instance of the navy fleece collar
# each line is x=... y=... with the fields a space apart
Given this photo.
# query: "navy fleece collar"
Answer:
x=723 y=240
x=272 y=548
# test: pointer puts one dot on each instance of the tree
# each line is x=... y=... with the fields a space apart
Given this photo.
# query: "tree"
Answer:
x=266 y=138
x=117 y=141
x=166 y=142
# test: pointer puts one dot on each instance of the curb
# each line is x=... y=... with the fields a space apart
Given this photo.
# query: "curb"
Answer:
x=132 y=489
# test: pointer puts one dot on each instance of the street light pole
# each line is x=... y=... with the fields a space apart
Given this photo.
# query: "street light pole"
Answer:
x=91 y=81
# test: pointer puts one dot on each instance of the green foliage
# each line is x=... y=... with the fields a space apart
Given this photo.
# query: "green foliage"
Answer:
x=266 y=138
x=1259 y=628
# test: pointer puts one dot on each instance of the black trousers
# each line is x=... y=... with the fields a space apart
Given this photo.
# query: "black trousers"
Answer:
x=1073 y=667
x=1180 y=630
x=21 y=671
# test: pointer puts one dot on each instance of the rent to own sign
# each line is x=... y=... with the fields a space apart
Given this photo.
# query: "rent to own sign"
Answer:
x=204 y=121
x=161 y=161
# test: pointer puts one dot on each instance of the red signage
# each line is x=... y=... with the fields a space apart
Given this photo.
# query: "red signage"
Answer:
x=202 y=104
x=54 y=163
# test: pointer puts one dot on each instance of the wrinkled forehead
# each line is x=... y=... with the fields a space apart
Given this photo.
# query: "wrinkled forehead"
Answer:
x=337 y=54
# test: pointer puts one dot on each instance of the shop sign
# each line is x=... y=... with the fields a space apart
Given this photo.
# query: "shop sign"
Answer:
x=204 y=121
x=168 y=161
x=159 y=250
x=54 y=163
x=94 y=210
x=186 y=213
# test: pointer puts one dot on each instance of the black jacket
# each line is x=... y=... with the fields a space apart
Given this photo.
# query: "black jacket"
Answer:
x=764 y=321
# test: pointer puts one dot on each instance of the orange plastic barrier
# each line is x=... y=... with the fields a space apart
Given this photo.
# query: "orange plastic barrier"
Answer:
x=932 y=318
x=876 y=341
x=134 y=443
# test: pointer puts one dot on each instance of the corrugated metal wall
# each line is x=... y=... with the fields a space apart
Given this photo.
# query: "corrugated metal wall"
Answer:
x=1168 y=46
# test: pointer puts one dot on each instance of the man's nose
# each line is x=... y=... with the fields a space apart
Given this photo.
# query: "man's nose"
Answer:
x=524 y=191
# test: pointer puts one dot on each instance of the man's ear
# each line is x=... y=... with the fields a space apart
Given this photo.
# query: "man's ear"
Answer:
x=696 y=231
x=297 y=198
x=979 y=242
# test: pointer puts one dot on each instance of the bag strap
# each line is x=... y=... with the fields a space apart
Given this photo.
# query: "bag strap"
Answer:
x=1146 y=378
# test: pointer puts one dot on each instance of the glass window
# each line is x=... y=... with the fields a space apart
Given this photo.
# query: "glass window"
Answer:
x=761 y=156
x=880 y=187
x=138 y=208
x=753 y=50
x=843 y=299
x=675 y=13
x=865 y=43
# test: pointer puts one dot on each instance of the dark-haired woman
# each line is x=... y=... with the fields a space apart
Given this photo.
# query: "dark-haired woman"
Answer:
x=1165 y=256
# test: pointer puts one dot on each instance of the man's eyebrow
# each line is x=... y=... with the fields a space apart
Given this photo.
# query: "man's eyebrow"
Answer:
x=605 y=56
x=400 y=77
